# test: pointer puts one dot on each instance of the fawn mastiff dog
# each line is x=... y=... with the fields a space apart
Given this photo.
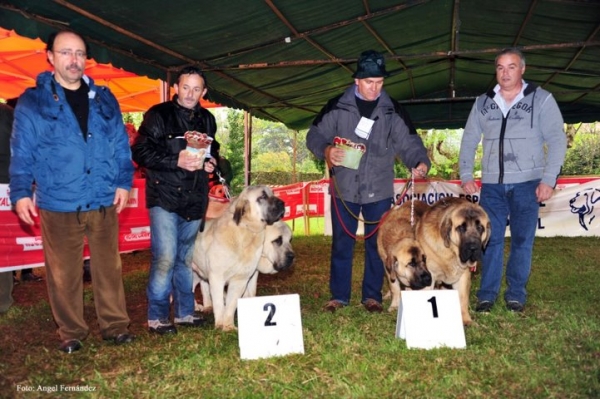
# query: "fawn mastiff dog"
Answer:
x=403 y=258
x=227 y=253
x=277 y=254
x=453 y=233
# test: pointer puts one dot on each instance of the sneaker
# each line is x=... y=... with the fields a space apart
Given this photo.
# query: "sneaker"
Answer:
x=161 y=327
x=120 y=339
x=31 y=277
x=484 y=306
x=190 y=321
x=514 y=306
x=333 y=305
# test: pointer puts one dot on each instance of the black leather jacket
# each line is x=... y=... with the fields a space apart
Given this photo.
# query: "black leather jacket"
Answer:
x=157 y=148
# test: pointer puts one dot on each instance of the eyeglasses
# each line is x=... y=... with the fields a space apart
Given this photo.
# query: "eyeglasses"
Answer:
x=70 y=53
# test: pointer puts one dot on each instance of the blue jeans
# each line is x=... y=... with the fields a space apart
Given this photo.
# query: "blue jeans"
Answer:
x=172 y=246
x=518 y=203
x=342 y=250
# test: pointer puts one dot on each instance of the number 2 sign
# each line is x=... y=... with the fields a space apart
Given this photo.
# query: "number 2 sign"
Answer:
x=430 y=319
x=269 y=326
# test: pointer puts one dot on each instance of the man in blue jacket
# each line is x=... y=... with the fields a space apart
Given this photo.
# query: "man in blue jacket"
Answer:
x=365 y=115
x=524 y=146
x=69 y=139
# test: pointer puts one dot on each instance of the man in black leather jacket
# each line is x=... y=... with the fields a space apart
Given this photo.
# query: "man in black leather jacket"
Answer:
x=176 y=196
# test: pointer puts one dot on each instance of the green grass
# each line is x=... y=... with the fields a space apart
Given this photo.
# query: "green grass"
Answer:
x=552 y=350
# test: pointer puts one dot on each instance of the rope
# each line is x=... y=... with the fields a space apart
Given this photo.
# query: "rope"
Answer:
x=378 y=222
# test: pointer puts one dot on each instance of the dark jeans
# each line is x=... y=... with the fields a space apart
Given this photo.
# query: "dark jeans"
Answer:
x=342 y=249
x=519 y=203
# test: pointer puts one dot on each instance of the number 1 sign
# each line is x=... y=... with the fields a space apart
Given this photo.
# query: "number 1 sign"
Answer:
x=269 y=326
x=430 y=319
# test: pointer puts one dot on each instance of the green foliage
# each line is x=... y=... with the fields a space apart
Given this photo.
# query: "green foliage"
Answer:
x=135 y=118
x=280 y=156
x=234 y=149
x=273 y=161
x=583 y=158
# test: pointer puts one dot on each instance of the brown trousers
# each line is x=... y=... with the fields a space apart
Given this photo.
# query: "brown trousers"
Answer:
x=63 y=239
x=6 y=288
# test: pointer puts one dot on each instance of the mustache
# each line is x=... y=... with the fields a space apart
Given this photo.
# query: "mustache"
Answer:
x=75 y=66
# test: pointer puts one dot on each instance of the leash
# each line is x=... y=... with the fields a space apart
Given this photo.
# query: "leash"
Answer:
x=409 y=183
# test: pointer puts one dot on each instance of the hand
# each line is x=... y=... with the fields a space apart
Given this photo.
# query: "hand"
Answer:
x=25 y=209
x=334 y=155
x=121 y=197
x=470 y=187
x=210 y=165
x=543 y=192
x=420 y=172
x=190 y=161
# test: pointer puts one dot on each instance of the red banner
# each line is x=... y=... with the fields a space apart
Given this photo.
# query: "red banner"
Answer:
x=21 y=245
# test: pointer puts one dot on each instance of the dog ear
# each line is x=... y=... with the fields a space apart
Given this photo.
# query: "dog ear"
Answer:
x=240 y=210
x=487 y=234
x=446 y=229
x=390 y=265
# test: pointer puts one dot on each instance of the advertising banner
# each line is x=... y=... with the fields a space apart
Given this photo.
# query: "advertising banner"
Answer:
x=571 y=212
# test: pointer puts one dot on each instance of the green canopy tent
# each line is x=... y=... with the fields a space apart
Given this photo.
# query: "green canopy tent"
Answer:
x=282 y=59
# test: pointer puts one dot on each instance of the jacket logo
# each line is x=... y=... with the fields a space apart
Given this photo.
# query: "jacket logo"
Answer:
x=523 y=106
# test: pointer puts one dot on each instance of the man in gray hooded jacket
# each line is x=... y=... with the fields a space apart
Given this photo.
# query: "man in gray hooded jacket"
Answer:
x=365 y=119
x=524 y=146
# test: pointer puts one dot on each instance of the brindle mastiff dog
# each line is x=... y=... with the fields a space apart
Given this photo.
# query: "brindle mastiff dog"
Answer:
x=453 y=233
x=402 y=255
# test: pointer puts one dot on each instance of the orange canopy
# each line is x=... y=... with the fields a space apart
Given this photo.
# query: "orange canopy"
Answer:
x=22 y=59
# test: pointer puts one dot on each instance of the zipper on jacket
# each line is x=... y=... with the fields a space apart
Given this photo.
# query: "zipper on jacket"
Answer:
x=501 y=149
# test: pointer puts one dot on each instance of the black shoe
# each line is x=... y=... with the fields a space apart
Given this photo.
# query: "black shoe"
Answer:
x=161 y=327
x=121 y=339
x=514 y=306
x=87 y=275
x=484 y=306
x=70 y=345
x=31 y=277
x=190 y=321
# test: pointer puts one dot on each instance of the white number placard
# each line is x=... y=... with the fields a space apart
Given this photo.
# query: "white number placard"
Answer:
x=430 y=319
x=269 y=326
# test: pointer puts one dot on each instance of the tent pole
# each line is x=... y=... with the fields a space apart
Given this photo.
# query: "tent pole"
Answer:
x=247 y=147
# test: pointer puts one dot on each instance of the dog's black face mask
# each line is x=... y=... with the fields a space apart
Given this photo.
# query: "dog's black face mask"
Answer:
x=275 y=208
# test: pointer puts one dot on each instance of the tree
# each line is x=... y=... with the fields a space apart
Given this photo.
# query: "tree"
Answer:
x=135 y=118
x=583 y=158
x=235 y=149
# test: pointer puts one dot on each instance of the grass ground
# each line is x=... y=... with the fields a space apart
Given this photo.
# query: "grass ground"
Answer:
x=552 y=350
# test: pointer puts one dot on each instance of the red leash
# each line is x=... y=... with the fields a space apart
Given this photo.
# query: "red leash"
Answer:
x=364 y=237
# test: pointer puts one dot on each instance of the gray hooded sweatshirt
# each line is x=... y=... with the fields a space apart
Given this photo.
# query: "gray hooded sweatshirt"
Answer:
x=529 y=143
